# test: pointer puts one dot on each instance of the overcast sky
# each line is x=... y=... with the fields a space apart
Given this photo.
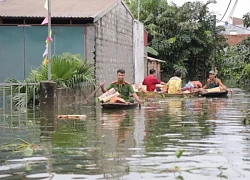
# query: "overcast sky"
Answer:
x=242 y=7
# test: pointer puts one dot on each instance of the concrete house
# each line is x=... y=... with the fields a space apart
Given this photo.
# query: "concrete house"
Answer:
x=235 y=27
x=102 y=31
x=235 y=32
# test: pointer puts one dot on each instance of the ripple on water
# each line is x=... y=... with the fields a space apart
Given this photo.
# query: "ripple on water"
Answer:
x=138 y=144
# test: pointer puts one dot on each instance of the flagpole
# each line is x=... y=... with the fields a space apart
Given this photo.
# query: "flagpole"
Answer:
x=49 y=41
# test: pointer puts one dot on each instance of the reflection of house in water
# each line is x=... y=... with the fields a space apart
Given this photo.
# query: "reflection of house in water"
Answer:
x=116 y=134
x=139 y=130
x=152 y=111
x=122 y=136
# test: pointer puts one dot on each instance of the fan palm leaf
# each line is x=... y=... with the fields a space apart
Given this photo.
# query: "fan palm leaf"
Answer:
x=67 y=70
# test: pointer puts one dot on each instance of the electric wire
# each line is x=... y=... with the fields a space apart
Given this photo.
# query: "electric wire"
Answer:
x=226 y=9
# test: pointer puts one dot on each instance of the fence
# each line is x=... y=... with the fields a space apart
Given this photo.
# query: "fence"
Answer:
x=17 y=103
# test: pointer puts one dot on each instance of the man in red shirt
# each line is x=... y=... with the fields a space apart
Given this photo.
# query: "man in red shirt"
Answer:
x=150 y=81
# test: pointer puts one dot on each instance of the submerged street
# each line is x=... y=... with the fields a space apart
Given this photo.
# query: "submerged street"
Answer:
x=134 y=144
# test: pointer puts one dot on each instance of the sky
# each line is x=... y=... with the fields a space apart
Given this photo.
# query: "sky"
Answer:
x=242 y=7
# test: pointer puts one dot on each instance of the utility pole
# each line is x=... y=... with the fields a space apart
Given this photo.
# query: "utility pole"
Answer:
x=49 y=41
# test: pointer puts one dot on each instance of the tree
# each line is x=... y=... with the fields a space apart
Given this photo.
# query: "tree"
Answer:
x=235 y=62
x=183 y=36
x=148 y=12
x=246 y=20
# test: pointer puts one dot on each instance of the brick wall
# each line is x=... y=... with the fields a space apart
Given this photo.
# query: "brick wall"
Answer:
x=114 y=45
x=236 y=39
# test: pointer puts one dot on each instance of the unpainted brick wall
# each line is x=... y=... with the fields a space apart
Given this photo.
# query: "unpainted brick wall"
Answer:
x=114 y=45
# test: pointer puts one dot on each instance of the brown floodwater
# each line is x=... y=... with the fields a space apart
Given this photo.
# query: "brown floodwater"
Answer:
x=134 y=144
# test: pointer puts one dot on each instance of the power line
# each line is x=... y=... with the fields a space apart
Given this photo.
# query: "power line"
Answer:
x=226 y=10
x=233 y=9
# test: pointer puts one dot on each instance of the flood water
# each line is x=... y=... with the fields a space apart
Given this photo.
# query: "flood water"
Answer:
x=135 y=144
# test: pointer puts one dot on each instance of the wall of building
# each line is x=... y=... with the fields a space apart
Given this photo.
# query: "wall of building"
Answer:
x=236 y=39
x=22 y=47
x=145 y=62
x=139 y=51
x=90 y=32
x=114 y=45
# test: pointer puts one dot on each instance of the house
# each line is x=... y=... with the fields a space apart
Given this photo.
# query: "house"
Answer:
x=236 y=39
x=102 y=31
x=153 y=63
x=235 y=27
x=235 y=32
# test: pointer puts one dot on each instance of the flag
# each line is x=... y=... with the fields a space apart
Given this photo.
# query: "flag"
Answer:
x=45 y=52
x=45 y=61
x=45 y=21
x=46 y=5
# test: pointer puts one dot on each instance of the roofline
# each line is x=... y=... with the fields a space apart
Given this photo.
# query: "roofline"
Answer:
x=95 y=18
x=154 y=59
x=104 y=12
x=124 y=4
x=52 y=17
x=99 y=16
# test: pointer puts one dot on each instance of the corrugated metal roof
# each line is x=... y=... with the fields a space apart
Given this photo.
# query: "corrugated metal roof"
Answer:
x=59 y=8
x=154 y=59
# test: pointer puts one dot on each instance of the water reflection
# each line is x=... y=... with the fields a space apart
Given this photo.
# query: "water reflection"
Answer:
x=138 y=143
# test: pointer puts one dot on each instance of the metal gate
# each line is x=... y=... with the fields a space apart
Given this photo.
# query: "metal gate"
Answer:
x=17 y=102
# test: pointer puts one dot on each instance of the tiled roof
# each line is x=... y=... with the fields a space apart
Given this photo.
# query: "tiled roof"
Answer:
x=155 y=60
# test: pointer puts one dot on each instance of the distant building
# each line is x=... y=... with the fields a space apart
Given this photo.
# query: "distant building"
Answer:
x=153 y=63
x=235 y=26
x=235 y=32
x=236 y=39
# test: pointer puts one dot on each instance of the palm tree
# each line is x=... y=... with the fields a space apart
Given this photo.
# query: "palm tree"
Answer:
x=67 y=71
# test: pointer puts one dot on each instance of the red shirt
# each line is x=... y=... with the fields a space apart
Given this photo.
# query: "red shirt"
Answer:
x=151 y=81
